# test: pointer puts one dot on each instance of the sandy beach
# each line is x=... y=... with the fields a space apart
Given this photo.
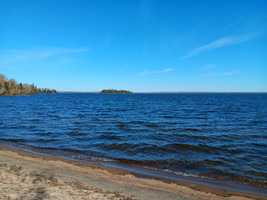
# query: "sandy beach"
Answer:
x=25 y=175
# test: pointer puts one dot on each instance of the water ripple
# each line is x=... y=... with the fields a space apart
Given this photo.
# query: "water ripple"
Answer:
x=216 y=135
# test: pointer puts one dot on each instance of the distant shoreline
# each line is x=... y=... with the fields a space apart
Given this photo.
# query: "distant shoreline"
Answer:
x=189 y=92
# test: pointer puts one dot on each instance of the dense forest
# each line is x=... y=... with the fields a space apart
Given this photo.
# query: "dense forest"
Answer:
x=112 y=91
x=11 y=87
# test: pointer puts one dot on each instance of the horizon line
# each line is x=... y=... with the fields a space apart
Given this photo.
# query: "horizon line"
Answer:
x=168 y=92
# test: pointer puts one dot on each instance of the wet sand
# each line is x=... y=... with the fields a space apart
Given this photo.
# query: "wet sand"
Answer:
x=25 y=175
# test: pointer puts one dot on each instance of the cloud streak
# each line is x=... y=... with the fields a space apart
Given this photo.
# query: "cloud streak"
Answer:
x=230 y=73
x=9 y=57
x=41 y=53
x=147 y=72
x=222 y=42
x=208 y=67
x=238 y=21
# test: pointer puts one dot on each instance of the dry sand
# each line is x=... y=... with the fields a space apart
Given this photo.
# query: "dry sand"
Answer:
x=25 y=175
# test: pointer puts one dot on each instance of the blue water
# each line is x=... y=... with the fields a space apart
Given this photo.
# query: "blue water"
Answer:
x=222 y=136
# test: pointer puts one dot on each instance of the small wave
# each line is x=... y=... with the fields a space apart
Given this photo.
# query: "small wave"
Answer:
x=168 y=116
x=203 y=125
x=214 y=162
x=216 y=172
x=122 y=125
x=199 y=137
x=259 y=145
x=44 y=140
x=109 y=137
x=57 y=149
x=255 y=173
x=152 y=125
x=196 y=148
x=119 y=146
x=15 y=140
x=257 y=136
x=172 y=123
x=81 y=116
x=151 y=150
x=76 y=133
x=192 y=130
x=95 y=119
x=136 y=122
x=230 y=149
x=47 y=133
x=168 y=129
x=35 y=120
x=141 y=162
x=78 y=123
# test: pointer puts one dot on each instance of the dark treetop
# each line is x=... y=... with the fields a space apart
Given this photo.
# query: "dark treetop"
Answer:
x=112 y=91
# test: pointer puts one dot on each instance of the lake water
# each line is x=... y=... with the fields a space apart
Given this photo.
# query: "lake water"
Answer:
x=222 y=136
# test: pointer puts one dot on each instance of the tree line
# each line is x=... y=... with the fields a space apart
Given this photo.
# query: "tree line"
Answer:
x=112 y=91
x=11 y=87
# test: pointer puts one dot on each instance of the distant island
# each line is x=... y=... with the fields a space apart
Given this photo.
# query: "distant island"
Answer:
x=112 y=91
x=11 y=87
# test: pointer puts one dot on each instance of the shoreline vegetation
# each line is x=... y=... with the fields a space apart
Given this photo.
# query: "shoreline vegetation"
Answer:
x=11 y=87
x=26 y=175
x=113 y=91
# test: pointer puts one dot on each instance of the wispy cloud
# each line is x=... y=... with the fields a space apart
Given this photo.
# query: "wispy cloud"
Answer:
x=78 y=50
x=208 y=67
x=211 y=74
x=229 y=73
x=147 y=72
x=225 y=41
x=13 y=57
x=238 y=21
x=40 y=53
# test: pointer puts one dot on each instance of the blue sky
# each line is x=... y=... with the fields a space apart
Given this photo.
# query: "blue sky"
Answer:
x=138 y=45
